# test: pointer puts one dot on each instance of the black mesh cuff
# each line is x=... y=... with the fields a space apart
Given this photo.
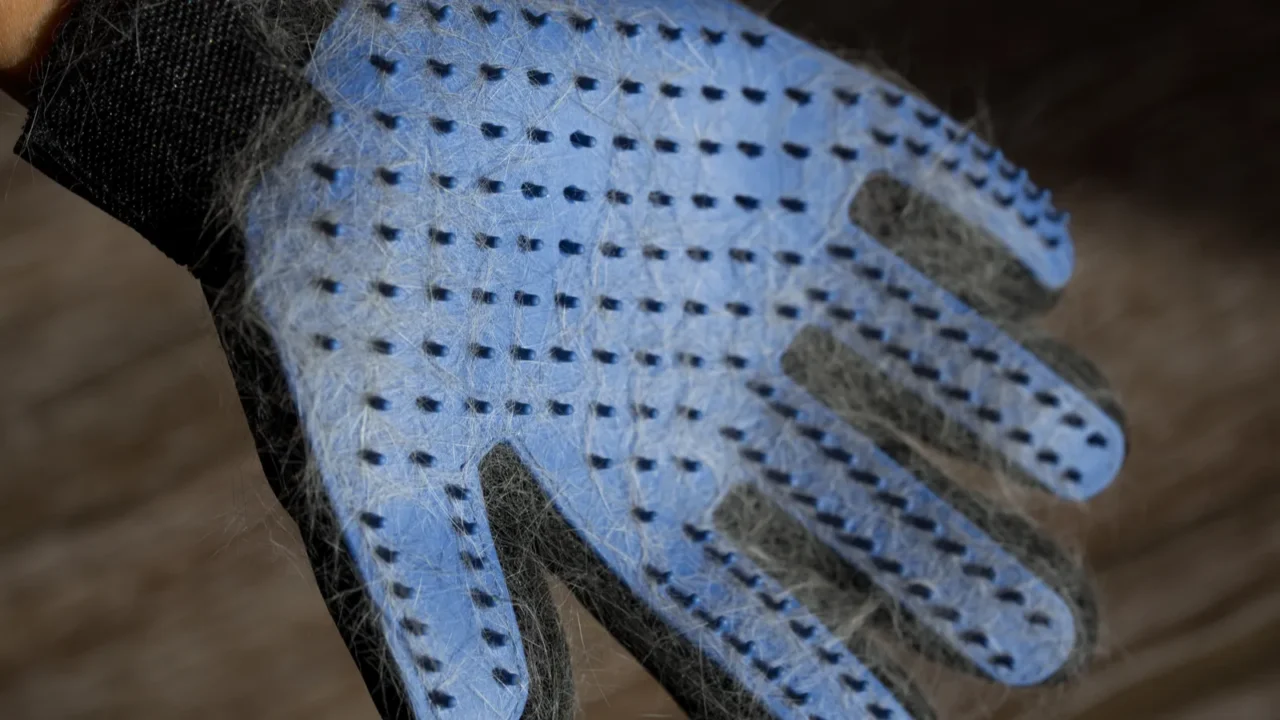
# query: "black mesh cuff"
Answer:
x=142 y=105
x=141 y=110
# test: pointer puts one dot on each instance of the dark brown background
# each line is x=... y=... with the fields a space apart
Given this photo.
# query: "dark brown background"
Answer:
x=146 y=572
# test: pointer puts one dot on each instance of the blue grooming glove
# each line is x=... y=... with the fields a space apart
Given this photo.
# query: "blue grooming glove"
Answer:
x=666 y=301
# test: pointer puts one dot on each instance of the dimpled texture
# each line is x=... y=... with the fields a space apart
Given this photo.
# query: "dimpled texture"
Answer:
x=591 y=231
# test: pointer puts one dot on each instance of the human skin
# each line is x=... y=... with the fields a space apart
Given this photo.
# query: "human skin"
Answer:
x=1200 y=403
x=26 y=30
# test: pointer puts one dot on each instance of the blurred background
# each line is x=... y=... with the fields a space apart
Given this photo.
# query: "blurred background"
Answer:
x=147 y=572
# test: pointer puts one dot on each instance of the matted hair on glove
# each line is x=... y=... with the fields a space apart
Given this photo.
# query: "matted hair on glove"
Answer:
x=664 y=301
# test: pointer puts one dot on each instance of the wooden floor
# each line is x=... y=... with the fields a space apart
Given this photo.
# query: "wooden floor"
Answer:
x=146 y=572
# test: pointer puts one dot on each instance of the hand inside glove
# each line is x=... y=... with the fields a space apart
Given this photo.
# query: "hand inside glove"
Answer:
x=662 y=300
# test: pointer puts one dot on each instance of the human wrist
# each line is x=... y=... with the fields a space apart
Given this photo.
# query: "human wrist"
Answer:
x=26 y=31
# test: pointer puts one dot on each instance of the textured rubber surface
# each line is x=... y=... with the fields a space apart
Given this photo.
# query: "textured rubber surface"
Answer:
x=593 y=234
